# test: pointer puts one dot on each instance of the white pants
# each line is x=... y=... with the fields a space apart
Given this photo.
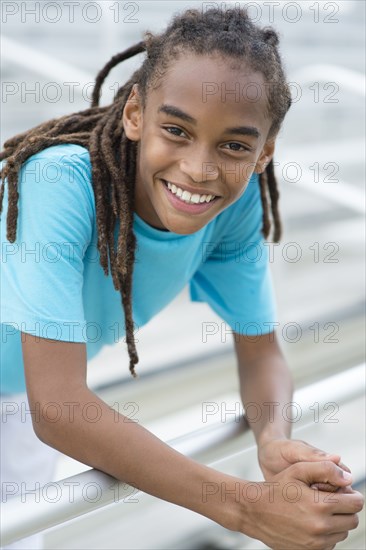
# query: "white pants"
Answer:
x=24 y=459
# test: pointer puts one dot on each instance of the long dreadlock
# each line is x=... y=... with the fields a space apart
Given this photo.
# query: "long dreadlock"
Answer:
x=113 y=155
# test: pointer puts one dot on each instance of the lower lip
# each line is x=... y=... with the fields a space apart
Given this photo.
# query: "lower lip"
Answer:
x=190 y=208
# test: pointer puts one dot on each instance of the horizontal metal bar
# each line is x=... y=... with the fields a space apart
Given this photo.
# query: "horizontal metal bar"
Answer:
x=178 y=364
x=341 y=192
x=44 y=64
x=42 y=514
x=350 y=80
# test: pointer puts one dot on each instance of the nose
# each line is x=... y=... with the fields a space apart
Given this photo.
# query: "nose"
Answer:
x=198 y=167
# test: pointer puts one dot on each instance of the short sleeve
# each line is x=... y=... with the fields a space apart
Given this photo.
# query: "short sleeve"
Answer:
x=42 y=271
x=234 y=277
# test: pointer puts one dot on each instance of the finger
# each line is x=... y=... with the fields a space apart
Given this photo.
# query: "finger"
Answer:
x=353 y=491
x=343 y=522
x=344 y=467
x=346 y=489
x=331 y=488
x=325 y=487
x=306 y=452
x=321 y=472
x=332 y=540
x=341 y=503
x=336 y=459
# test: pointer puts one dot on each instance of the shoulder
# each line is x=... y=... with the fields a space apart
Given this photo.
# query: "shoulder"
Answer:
x=59 y=171
x=67 y=154
x=64 y=154
x=55 y=186
x=63 y=151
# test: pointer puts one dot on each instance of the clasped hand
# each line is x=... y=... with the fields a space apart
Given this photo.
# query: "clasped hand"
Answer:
x=275 y=455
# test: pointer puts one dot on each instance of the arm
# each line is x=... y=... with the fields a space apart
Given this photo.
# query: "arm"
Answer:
x=265 y=380
x=266 y=387
x=56 y=372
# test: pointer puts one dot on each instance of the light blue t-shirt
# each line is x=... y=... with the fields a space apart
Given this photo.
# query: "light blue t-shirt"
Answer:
x=53 y=286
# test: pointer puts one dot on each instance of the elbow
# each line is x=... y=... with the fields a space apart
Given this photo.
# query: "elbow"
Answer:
x=47 y=428
x=42 y=430
x=41 y=434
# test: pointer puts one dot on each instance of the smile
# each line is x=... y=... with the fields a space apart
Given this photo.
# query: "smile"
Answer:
x=186 y=196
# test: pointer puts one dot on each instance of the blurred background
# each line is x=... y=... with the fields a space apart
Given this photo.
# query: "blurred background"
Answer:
x=51 y=53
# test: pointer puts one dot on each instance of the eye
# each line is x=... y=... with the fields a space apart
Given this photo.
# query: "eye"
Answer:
x=243 y=148
x=175 y=129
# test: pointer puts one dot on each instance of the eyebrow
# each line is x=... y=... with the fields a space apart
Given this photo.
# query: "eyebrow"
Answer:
x=178 y=113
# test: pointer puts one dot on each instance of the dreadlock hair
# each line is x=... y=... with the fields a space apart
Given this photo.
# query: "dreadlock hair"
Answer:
x=230 y=33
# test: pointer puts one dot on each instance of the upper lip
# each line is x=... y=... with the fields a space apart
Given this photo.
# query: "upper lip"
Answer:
x=191 y=190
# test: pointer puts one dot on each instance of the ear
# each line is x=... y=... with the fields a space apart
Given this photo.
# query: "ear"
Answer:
x=132 y=115
x=265 y=156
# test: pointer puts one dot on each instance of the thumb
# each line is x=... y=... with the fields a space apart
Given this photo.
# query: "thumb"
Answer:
x=304 y=452
x=331 y=488
x=322 y=472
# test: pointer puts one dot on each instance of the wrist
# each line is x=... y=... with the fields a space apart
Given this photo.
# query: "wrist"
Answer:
x=246 y=507
x=222 y=500
x=235 y=506
x=269 y=434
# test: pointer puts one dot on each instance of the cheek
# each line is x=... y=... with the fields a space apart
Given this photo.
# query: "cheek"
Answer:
x=156 y=155
x=237 y=185
x=237 y=178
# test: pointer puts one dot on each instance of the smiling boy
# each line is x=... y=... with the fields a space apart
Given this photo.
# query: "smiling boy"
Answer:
x=125 y=160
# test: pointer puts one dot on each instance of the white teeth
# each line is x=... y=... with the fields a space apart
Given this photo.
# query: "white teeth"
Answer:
x=186 y=196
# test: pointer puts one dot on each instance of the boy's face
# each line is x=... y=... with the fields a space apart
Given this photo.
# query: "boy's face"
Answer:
x=209 y=145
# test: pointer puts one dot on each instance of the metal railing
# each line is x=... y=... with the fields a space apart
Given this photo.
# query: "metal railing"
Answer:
x=211 y=444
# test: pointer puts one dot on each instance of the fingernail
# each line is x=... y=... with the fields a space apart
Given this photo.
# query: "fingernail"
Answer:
x=347 y=476
x=343 y=466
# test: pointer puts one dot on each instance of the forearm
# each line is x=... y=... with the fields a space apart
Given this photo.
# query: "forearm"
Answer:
x=266 y=386
x=127 y=451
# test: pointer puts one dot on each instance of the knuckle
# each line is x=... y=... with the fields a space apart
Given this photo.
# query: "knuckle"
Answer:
x=319 y=528
x=327 y=466
x=327 y=527
x=323 y=506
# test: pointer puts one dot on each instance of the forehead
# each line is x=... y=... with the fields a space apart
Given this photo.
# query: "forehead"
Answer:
x=213 y=86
